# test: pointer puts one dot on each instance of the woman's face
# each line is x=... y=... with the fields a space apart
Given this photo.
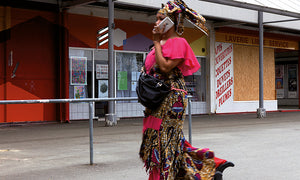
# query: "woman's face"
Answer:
x=159 y=18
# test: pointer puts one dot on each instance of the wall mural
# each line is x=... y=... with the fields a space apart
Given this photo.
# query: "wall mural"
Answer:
x=83 y=32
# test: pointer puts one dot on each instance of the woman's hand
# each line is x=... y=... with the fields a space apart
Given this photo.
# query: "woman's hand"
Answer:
x=157 y=33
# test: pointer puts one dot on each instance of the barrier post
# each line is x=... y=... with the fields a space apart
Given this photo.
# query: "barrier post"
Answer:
x=91 y=132
x=190 y=119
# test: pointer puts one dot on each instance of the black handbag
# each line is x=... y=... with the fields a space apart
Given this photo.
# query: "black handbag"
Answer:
x=151 y=91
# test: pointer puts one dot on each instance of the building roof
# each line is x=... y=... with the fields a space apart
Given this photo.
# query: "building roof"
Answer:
x=221 y=11
x=240 y=11
x=286 y=5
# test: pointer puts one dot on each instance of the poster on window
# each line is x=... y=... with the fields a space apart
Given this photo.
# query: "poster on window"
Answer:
x=279 y=88
x=78 y=70
x=292 y=81
x=79 y=92
x=102 y=88
x=122 y=80
x=279 y=73
x=101 y=71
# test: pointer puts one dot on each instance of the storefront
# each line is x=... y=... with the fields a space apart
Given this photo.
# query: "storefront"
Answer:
x=131 y=47
x=237 y=70
x=46 y=54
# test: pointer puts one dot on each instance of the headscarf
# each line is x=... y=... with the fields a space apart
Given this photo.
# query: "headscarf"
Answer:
x=177 y=11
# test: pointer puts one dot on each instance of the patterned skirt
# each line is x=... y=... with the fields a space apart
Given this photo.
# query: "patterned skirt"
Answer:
x=164 y=150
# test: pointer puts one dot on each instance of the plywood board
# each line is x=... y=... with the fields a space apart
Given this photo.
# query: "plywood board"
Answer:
x=246 y=73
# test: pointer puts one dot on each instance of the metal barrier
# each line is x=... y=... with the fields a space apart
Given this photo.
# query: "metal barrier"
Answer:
x=91 y=101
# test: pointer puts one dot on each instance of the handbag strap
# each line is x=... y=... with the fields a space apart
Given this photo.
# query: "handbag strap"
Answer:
x=176 y=89
x=143 y=70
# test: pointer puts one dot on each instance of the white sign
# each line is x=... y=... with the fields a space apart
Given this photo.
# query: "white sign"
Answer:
x=223 y=76
x=101 y=71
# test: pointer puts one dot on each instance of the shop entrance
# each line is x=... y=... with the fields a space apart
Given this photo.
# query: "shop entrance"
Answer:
x=287 y=79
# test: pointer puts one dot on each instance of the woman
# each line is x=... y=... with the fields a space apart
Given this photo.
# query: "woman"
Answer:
x=164 y=150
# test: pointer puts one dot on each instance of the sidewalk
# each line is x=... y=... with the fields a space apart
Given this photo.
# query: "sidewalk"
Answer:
x=262 y=149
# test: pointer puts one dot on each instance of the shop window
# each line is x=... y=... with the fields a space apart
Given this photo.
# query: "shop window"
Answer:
x=101 y=73
x=286 y=81
x=292 y=81
x=101 y=81
x=196 y=83
x=85 y=90
x=100 y=70
x=80 y=73
x=128 y=66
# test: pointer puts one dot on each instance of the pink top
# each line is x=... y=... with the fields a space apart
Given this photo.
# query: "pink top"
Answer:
x=176 y=48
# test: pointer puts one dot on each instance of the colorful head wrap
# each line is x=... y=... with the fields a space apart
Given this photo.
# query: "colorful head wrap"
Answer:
x=178 y=11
